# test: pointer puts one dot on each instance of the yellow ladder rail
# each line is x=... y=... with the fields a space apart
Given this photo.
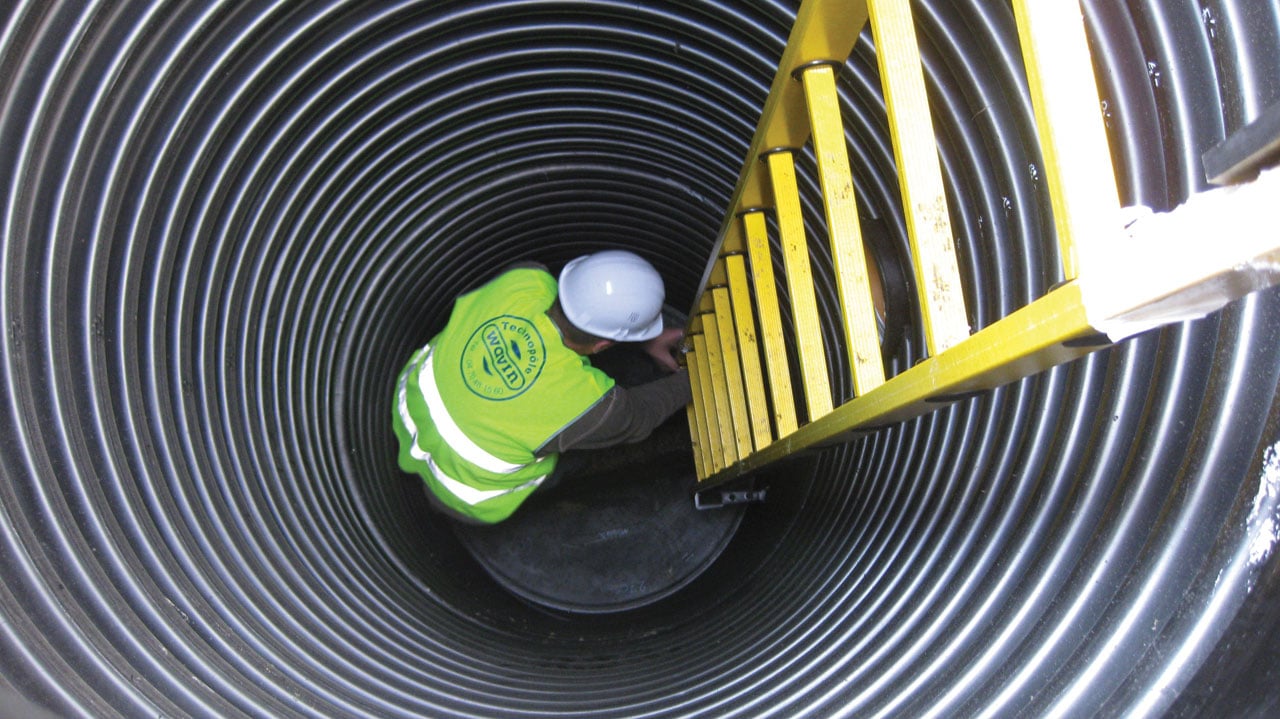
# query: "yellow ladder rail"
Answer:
x=1056 y=322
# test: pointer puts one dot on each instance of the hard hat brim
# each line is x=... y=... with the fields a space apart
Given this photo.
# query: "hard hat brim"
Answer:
x=653 y=330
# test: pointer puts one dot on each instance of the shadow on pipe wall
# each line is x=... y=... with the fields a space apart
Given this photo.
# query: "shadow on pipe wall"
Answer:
x=225 y=226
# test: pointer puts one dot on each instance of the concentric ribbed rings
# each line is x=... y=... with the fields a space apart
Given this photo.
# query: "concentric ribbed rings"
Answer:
x=226 y=225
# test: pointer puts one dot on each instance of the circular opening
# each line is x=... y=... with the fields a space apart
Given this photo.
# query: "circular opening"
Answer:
x=619 y=530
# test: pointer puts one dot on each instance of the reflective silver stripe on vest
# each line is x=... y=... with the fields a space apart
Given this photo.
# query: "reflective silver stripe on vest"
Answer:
x=468 y=494
x=449 y=430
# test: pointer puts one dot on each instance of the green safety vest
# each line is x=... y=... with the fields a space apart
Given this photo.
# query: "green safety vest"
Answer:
x=474 y=405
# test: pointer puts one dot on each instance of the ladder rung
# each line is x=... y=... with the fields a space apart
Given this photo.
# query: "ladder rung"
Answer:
x=804 y=304
x=732 y=369
x=749 y=349
x=1073 y=140
x=719 y=388
x=775 y=351
x=714 y=451
x=852 y=282
x=695 y=442
x=919 y=175
x=698 y=420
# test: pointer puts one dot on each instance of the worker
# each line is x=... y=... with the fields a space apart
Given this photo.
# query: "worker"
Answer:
x=483 y=411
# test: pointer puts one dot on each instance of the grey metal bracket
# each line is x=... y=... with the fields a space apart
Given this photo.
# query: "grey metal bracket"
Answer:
x=717 y=498
x=1246 y=151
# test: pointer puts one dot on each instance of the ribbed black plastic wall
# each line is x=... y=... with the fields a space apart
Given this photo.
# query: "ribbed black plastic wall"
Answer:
x=226 y=224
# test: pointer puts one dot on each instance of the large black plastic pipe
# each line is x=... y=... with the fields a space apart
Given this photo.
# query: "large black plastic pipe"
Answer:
x=227 y=224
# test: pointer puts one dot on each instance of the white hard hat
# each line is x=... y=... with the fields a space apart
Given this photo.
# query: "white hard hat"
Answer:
x=613 y=294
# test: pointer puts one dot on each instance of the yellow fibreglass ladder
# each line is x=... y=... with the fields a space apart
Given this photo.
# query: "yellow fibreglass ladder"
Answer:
x=746 y=413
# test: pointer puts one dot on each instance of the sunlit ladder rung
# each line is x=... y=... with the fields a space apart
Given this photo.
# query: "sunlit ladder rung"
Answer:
x=924 y=200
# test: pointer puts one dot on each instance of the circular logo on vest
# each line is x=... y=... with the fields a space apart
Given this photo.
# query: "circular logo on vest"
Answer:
x=503 y=358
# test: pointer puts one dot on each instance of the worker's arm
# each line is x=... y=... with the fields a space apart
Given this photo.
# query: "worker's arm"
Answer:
x=624 y=415
x=664 y=347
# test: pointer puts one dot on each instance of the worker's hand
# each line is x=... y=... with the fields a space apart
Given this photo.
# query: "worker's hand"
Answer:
x=663 y=348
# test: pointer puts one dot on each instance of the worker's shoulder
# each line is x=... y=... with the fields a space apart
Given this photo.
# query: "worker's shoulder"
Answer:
x=526 y=275
x=527 y=265
x=521 y=289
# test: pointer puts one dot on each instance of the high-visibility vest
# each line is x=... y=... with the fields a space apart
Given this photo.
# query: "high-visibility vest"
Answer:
x=474 y=406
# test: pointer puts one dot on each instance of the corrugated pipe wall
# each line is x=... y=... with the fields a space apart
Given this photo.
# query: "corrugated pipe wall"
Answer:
x=226 y=225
